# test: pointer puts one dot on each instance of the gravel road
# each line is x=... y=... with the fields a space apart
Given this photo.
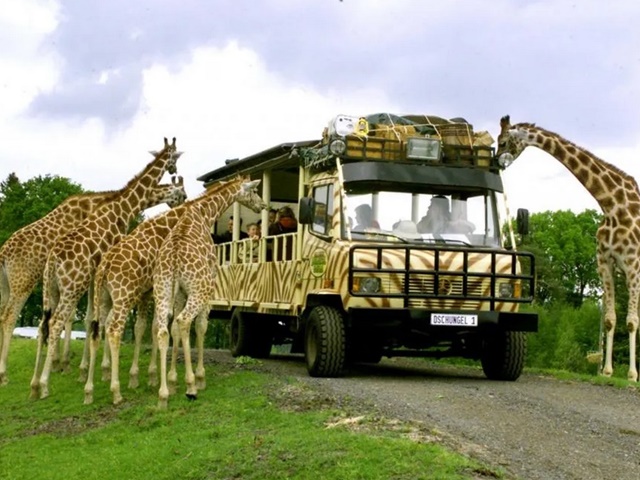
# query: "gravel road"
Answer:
x=534 y=428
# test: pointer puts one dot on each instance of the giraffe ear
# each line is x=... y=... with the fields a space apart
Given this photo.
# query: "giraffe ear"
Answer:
x=154 y=153
x=252 y=185
x=177 y=155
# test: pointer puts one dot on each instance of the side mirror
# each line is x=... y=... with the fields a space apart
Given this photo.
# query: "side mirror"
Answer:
x=306 y=210
x=522 y=221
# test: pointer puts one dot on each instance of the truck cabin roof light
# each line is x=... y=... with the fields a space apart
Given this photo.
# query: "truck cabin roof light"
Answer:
x=423 y=149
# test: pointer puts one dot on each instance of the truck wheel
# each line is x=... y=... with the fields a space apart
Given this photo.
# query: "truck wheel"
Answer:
x=249 y=335
x=503 y=355
x=325 y=342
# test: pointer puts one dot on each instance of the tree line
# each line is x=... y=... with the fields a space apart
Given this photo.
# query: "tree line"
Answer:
x=568 y=288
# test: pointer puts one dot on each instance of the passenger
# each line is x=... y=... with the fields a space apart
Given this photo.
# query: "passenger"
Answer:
x=437 y=217
x=228 y=235
x=459 y=222
x=273 y=214
x=286 y=223
x=249 y=251
x=364 y=218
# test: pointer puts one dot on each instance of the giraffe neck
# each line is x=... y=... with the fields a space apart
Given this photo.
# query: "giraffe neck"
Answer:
x=213 y=202
x=139 y=193
x=609 y=186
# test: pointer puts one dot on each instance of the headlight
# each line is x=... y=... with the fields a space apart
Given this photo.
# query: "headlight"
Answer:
x=505 y=289
x=366 y=285
x=423 y=148
x=337 y=147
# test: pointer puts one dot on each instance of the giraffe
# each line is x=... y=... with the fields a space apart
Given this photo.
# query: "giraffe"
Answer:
x=72 y=261
x=618 y=237
x=185 y=271
x=23 y=256
x=172 y=195
x=124 y=279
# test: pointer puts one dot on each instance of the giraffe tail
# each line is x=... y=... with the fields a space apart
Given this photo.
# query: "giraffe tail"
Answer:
x=45 y=326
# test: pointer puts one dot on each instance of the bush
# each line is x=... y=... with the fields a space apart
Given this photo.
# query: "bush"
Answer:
x=565 y=336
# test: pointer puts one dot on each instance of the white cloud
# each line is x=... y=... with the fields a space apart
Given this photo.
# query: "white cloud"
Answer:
x=221 y=103
x=225 y=100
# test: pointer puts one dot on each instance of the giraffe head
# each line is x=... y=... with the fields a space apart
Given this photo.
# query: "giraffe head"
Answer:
x=170 y=151
x=512 y=141
x=173 y=194
x=248 y=196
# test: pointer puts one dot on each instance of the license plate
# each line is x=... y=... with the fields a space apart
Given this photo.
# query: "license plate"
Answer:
x=454 y=320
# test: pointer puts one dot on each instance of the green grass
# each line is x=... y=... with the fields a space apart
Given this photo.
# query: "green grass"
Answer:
x=246 y=424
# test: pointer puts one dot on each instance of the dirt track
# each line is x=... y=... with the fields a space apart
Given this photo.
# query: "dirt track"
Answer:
x=534 y=428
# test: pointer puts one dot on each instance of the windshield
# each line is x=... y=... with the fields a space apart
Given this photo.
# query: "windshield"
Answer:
x=409 y=217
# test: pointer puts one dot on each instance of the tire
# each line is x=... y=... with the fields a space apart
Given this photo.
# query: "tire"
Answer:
x=325 y=342
x=503 y=355
x=249 y=336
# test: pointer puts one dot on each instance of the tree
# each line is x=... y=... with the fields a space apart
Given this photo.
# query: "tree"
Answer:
x=564 y=244
x=24 y=203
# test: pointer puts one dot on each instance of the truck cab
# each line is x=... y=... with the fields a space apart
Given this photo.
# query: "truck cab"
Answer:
x=397 y=249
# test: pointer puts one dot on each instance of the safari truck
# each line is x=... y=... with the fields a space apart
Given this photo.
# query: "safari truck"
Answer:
x=369 y=269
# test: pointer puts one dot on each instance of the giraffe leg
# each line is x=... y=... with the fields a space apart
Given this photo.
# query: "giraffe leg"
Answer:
x=172 y=376
x=605 y=269
x=88 y=317
x=175 y=345
x=190 y=310
x=163 y=299
x=105 y=365
x=138 y=332
x=632 y=323
x=114 y=337
x=10 y=314
x=153 y=360
x=93 y=339
x=35 y=380
x=163 y=346
x=56 y=324
x=64 y=310
x=202 y=323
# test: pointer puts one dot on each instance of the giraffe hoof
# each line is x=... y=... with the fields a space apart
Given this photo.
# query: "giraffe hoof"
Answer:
x=35 y=393
x=192 y=396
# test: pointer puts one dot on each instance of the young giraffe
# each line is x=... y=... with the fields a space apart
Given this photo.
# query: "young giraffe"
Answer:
x=73 y=259
x=173 y=195
x=23 y=256
x=124 y=279
x=618 y=237
x=186 y=268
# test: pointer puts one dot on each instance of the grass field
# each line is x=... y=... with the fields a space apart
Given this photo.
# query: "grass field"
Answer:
x=245 y=425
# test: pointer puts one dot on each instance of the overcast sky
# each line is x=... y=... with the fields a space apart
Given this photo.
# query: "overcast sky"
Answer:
x=87 y=87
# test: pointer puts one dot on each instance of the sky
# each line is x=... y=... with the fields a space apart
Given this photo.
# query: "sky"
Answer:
x=88 y=87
